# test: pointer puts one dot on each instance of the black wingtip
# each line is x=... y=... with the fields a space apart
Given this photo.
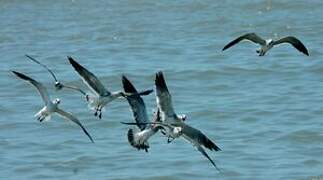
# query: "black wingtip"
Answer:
x=75 y=64
x=28 y=56
x=71 y=60
x=160 y=81
x=20 y=75
x=86 y=132
x=225 y=47
x=127 y=85
x=210 y=144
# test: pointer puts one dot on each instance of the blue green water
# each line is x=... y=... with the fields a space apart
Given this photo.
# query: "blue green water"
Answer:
x=265 y=113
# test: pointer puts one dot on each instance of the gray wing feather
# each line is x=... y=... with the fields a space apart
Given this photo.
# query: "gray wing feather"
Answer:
x=75 y=88
x=197 y=136
x=41 y=89
x=249 y=36
x=200 y=148
x=89 y=79
x=293 y=41
x=163 y=97
x=136 y=103
x=50 y=71
x=69 y=116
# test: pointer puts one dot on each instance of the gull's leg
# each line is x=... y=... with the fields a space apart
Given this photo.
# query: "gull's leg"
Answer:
x=169 y=140
x=100 y=112
x=96 y=111
x=41 y=118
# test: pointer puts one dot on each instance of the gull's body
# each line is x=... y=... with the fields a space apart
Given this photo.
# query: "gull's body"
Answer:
x=101 y=95
x=266 y=45
x=50 y=106
x=175 y=124
x=139 y=139
x=58 y=85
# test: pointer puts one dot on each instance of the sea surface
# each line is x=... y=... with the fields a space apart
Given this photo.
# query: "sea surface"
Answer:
x=265 y=113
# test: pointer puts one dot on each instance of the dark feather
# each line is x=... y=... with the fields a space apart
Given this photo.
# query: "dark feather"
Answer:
x=160 y=81
x=136 y=103
x=249 y=36
x=89 y=78
x=295 y=42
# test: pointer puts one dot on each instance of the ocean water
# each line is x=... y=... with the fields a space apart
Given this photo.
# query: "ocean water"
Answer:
x=265 y=113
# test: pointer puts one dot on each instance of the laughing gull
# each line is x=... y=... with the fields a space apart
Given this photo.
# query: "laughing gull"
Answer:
x=164 y=104
x=266 y=45
x=50 y=106
x=58 y=84
x=139 y=139
x=101 y=96
x=176 y=125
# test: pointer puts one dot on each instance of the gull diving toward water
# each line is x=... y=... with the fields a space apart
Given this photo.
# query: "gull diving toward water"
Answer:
x=50 y=106
x=165 y=106
x=266 y=45
x=140 y=138
x=58 y=84
x=101 y=96
x=175 y=124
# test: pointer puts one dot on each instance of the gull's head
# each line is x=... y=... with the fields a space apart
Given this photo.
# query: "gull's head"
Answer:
x=57 y=101
x=58 y=85
x=182 y=117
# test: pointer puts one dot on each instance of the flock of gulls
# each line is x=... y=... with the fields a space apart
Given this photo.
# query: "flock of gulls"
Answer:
x=164 y=120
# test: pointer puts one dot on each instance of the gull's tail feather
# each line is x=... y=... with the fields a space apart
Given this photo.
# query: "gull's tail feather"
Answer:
x=132 y=141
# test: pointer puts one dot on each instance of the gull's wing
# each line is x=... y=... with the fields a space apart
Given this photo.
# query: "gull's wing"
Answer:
x=136 y=103
x=89 y=79
x=69 y=116
x=163 y=97
x=198 y=140
x=293 y=41
x=196 y=136
x=199 y=148
x=249 y=36
x=50 y=71
x=41 y=89
x=75 y=88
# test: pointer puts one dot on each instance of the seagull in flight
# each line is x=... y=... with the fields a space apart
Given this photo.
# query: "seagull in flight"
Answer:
x=175 y=123
x=140 y=138
x=58 y=84
x=50 y=106
x=165 y=106
x=266 y=45
x=101 y=96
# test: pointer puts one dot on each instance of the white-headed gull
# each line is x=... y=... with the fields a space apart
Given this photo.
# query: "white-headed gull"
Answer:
x=139 y=139
x=50 y=106
x=58 y=85
x=266 y=45
x=101 y=96
x=165 y=105
x=175 y=124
